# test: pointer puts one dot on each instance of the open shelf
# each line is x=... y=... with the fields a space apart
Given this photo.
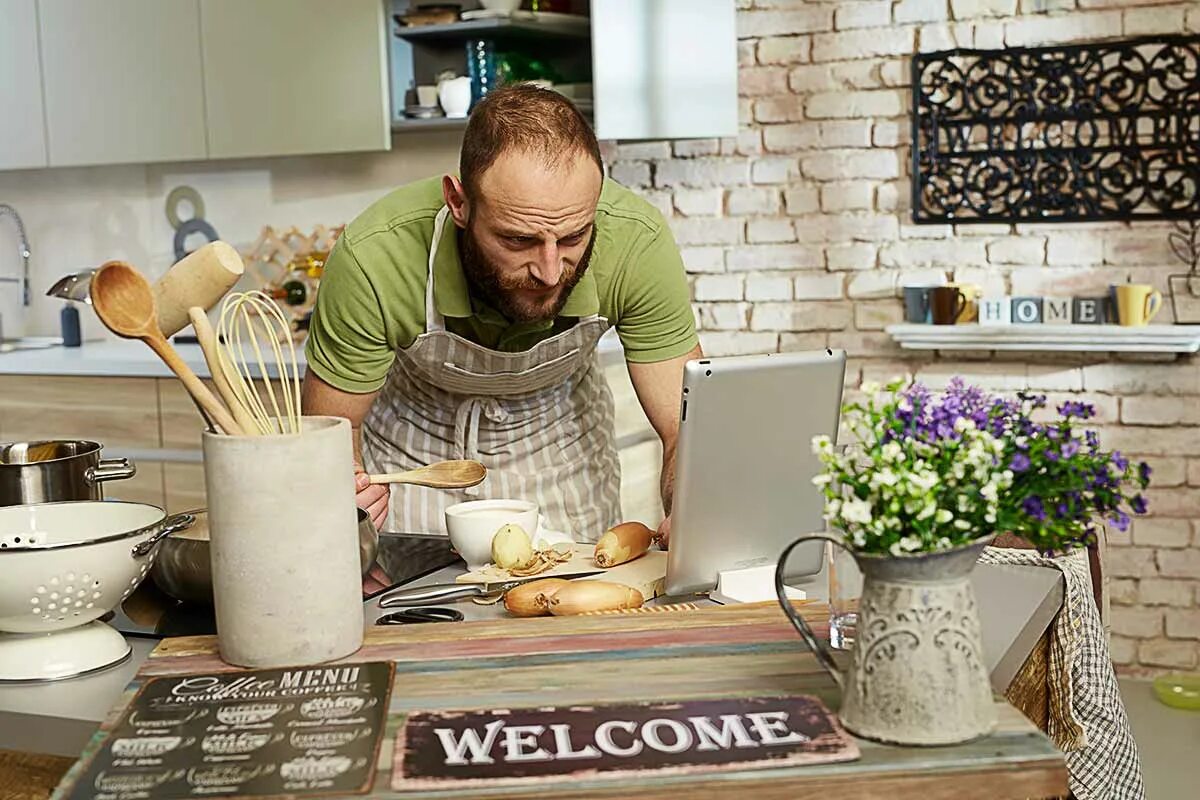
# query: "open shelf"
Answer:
x=433 y=124
x=1049 y=338
x=537 y=26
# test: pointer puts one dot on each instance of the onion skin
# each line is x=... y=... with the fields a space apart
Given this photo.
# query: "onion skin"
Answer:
x=622 y=543
x=580 y=597
x=532 y=599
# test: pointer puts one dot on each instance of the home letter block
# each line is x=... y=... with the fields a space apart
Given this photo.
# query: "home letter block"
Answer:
x=1056 y=310
x=995 y=310
x=1026 y=310
x=1088 y=311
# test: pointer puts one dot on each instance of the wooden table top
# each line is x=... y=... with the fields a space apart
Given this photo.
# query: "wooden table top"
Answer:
x=708 y=653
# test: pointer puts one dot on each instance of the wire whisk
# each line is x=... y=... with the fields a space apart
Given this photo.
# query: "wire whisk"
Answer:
x=246 y=319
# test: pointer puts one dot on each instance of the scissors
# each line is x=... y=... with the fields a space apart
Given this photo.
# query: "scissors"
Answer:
x=413 y=616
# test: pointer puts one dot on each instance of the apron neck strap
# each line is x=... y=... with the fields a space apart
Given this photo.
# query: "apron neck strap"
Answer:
x=434 y=320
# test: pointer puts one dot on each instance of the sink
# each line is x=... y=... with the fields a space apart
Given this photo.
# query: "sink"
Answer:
x=29 y=343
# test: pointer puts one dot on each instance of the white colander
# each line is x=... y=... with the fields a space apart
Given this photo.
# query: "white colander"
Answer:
x=63 y=566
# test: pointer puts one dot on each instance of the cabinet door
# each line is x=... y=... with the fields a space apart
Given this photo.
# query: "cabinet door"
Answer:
x=119 y=413
x=123 y=81
x=283 y=77
x=22 y=120
x=664 y=70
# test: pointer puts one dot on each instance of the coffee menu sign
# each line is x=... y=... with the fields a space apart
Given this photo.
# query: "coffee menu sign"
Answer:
x=454 y=750
x=296 y=732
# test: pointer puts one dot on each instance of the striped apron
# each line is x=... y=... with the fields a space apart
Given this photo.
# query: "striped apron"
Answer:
x=541 y=421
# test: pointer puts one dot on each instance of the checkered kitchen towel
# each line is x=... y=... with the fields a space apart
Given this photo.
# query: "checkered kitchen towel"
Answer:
x=1087 y=715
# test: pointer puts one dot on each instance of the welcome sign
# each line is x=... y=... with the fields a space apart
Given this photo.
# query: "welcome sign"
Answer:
x=448 y=750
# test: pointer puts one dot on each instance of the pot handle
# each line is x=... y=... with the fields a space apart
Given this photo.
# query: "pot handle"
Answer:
x=110 y=469
x=818 y=648
x=172 y=524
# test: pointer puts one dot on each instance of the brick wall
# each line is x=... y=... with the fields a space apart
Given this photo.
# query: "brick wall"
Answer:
x=797 y=233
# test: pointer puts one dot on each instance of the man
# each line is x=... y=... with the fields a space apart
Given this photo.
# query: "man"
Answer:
x=458 y=318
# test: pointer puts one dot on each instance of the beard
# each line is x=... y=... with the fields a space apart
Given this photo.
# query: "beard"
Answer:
x=488 y=283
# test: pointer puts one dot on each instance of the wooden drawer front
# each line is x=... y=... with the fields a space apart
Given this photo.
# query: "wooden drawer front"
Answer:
x=184 y=486
x=117 y=412
x=181 y=422
x=144 y=487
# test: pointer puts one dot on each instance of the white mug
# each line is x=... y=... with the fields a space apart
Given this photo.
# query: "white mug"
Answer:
x=473 y=525
x=427 y=96
x=455 y=96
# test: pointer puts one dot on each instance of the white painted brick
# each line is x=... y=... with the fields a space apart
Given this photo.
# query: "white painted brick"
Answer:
x=1127 y=249
x=711 y=288
x=644 y=150
x=1123 y=591
x=747 y=143
x=816 y=316
x=1037 y=6
x=1028 y=251
x=846 y=133
x=1131 y=562
x=891 y=196
x=1179 y=563
x=1137 y=623
x=701 y=172
x=851 y=256
x=788 y=138
x=1064 y=281
x=857 y=74
x=747 y=201
x=832 y=165
x=746 y=110
x=1137 y=440
x=949 y=253
x=803 y=342
x=758 y=24
x=774 y=256
x=874 y=14
x=776 y=169
x=1065 y=248
x=801 y=200
x=988 y=279
x=895 y=73
x=660 y=199
x=1165 y=471
x=759 y=81
x=690 y=148
x=1183 y=623
x=1180 y=655
x=862 y=44
x=846 y=195
x=876 y=284
x=784 y=50
x=634 y=174
x=811 y=78
x=707 y=231
x=770 y=230
x=1161 y=532
x=1148 y=410
x=887 y=133
x=1033 y=31
x=913 y=231
x=1193 y=20
x=741 y=343
x=988 y=375
x=699 y=202
x=927 y=276
x=968 y=9
x=857 y=227
x=944 y=36
x=768 y=288
x=919 y=10
x=724 y=316
x=1164 y=592
x=1137 y=379
x=852 y=105
x=747 y=53
x=787 y=108
x=818 y=286
x=703 y=259
x=1123 y=651
x=990 y=35
x=1057 y=378
x=1146 y=21
x=874 y=315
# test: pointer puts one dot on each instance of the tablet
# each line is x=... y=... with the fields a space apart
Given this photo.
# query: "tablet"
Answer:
x=744 y=463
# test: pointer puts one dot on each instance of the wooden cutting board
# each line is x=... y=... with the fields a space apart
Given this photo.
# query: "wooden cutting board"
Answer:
x=645 y=573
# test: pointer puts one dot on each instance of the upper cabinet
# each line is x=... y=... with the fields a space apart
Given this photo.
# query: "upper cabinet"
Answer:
x=283 y=77
x=665 y=69
x=22 y=116
x=122 y=81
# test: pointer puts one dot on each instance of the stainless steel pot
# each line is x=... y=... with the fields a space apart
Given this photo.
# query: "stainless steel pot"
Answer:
x=183 y=570
x=55 y=471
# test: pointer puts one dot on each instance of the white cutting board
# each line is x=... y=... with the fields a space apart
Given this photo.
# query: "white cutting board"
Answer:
x=645 y=573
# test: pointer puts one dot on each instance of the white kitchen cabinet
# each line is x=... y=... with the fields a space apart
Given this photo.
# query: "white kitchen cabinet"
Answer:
x=122 y=81
x=665 y=69
x=22 y=116
x=284 y=77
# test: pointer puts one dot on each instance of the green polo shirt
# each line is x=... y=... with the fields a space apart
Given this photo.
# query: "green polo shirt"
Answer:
x=372 y=296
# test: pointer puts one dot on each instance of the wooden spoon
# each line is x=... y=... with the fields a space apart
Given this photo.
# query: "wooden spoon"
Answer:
x=124 y=302
x=208 y=345
x=442 y=475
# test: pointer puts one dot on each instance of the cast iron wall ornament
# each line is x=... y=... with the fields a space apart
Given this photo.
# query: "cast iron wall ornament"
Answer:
x=1099 y=131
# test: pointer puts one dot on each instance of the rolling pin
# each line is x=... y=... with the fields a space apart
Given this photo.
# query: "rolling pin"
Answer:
x=200 y=279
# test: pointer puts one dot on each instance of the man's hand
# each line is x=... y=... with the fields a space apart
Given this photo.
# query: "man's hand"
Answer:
x=371 y=498
x=664 y=533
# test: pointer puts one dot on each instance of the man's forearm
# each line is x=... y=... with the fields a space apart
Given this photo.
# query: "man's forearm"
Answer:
x=666 y=483
x=321 y=399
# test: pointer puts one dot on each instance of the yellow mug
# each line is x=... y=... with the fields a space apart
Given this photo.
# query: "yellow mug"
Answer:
x=971 y=292
x=1137 y=303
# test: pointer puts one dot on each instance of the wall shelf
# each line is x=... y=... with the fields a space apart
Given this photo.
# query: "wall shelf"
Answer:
x=1049 y=338
x=538 y=27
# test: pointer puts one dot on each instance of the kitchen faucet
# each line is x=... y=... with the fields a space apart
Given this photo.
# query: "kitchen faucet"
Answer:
x=23 y=242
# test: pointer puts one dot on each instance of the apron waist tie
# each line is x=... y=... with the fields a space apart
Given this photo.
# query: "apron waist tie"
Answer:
x=466 y=427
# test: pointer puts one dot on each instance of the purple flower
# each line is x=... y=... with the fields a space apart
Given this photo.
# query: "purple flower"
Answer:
x=1032 y=506
x=1073 y=408
x=1119 y=461
x=1144 y=472
x=1138 y=504
x=1052 y=455
x=1070 y=448
x=1019 y=463
x=1121 y=520
x=1093 y=439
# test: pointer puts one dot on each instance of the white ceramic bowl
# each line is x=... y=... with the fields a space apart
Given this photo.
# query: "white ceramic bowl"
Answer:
x=473 y=525
x=500 y=5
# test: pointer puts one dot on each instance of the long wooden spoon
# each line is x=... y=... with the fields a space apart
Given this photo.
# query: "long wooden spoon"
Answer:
x=124 y=302
x=208 y=345
x=442 y=475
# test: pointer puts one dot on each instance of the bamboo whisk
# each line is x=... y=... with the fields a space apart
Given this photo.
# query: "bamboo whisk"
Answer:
x=246 y=319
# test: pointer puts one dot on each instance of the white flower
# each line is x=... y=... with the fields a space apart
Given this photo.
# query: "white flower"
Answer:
x=883 y=477
x=892 y=451
x=962 y=524
x=870 y=387
x=821 y=444
x=855 y=510
x=943 y=515
x=822 y=478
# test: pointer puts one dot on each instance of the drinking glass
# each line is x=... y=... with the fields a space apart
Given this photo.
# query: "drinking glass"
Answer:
x=845 y=589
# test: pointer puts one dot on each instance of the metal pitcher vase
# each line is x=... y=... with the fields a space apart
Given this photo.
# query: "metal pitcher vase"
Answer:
x=917 y=674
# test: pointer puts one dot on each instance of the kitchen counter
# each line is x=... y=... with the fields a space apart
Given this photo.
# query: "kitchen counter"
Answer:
x=133 y=359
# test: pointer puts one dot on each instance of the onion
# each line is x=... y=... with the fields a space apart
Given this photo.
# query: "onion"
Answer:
x=580 y=597
x=532 y=599
x=622 y=543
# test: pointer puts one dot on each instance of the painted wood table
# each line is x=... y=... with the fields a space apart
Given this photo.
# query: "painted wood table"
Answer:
x=710 y=653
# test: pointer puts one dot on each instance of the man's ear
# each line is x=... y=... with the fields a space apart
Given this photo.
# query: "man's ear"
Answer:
x=456 y=199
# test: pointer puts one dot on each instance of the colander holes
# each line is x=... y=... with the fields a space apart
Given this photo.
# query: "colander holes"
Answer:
x=94 y=583
x=52 y=606
x=69 y=589
x=81 y=593
x=41 y=590
x=86 y=577
x=90 y=605
x=3 y=545
x=34 y=600
x=76 y=614
x=54 y=581
x=96 y=595
x=54 y=595
x=78 y=604
x=16 y=540
x=70 y=577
